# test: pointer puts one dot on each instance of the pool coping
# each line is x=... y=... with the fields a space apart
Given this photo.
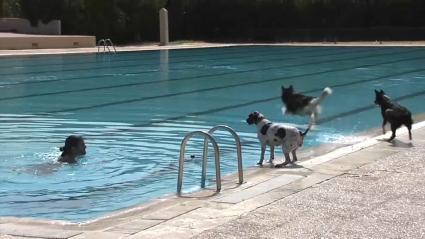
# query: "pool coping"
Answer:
x=197 y=45
x=261 y=187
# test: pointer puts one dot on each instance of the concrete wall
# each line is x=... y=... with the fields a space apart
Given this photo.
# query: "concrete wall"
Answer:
x=20 y=25
x=11 y=41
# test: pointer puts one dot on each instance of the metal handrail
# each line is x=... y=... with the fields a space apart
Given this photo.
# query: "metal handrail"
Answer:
x=238 y=152
x=111 y=44
x=181 y=159
x=105 y=43
x=99 y=43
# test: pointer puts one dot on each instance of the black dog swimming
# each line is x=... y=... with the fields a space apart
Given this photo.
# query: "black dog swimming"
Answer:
x=393 y=113
x=300 y=104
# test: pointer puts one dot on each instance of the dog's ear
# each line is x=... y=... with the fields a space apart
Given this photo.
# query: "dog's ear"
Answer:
x=382 y=92
x=376 y=91
x=291 y=88
x=283 y=88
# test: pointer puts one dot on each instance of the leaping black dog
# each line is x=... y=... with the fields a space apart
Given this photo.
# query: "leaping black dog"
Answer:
x=393 y=113
x=299 y=104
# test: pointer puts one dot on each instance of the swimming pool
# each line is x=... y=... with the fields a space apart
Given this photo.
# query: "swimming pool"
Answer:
x=135 y=108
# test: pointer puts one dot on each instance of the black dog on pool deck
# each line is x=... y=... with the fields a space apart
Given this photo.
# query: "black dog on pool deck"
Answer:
x=394 y=113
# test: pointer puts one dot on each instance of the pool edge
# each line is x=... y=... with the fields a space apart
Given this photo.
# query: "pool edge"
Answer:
x=197 y=45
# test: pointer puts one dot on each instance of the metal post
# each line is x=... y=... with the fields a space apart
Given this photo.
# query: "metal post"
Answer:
x=204 y=163
x=163 y=27
x=181 y=165
x=99 y=43
x=109 y=42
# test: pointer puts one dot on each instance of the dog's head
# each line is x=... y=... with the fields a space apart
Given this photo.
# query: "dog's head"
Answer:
x=254 y=118
x=287 y=92
x=380 y=97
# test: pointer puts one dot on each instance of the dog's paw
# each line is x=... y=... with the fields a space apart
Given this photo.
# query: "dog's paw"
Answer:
x=260 y=164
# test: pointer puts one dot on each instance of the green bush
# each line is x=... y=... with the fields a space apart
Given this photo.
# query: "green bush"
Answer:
x=270 y=20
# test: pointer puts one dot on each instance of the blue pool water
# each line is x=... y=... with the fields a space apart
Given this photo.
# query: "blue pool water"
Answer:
x=134 y=109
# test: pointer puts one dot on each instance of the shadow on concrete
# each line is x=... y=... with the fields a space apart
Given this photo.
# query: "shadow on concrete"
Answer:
x=294 y=165
x=204 y=193
x=397 y=143
x=400 y=144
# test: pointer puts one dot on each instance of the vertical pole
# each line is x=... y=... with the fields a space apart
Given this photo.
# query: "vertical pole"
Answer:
x=181 y=165
x=163 y=27
x=239 y=155
x=58 y=30
x=204 y=163
x=217 y=167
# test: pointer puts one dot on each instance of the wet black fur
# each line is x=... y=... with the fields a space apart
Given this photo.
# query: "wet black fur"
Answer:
x=393 y=113
x=281 y=133
x=294 y=101
x=265 y=128
x=254 y=118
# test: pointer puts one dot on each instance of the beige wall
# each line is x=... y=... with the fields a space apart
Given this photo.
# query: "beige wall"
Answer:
x=20 y=25
x=38 y=42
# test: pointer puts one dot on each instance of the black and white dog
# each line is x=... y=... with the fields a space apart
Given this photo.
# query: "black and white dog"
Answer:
x=300 y=104
x=394 y=113
x=274 y=134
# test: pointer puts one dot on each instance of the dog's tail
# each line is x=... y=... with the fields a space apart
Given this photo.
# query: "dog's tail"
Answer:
x=326 y=92
x=310 y=124
x=315 y=103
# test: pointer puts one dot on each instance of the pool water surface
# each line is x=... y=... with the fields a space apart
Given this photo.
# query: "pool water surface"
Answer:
x=135 y=108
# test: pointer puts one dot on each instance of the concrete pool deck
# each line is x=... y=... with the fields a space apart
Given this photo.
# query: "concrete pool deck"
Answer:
x=193 y=45
x=371 y=189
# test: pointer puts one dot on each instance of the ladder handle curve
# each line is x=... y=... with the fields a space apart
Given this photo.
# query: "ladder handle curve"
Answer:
x=181 y=158
x=238 y=148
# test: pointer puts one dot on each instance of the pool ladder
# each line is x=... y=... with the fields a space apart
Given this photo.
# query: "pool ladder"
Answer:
x=106 y=43
x=208 y=137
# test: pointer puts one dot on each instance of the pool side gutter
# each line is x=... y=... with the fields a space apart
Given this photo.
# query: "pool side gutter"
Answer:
x=195 y=45
x=191 y=214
